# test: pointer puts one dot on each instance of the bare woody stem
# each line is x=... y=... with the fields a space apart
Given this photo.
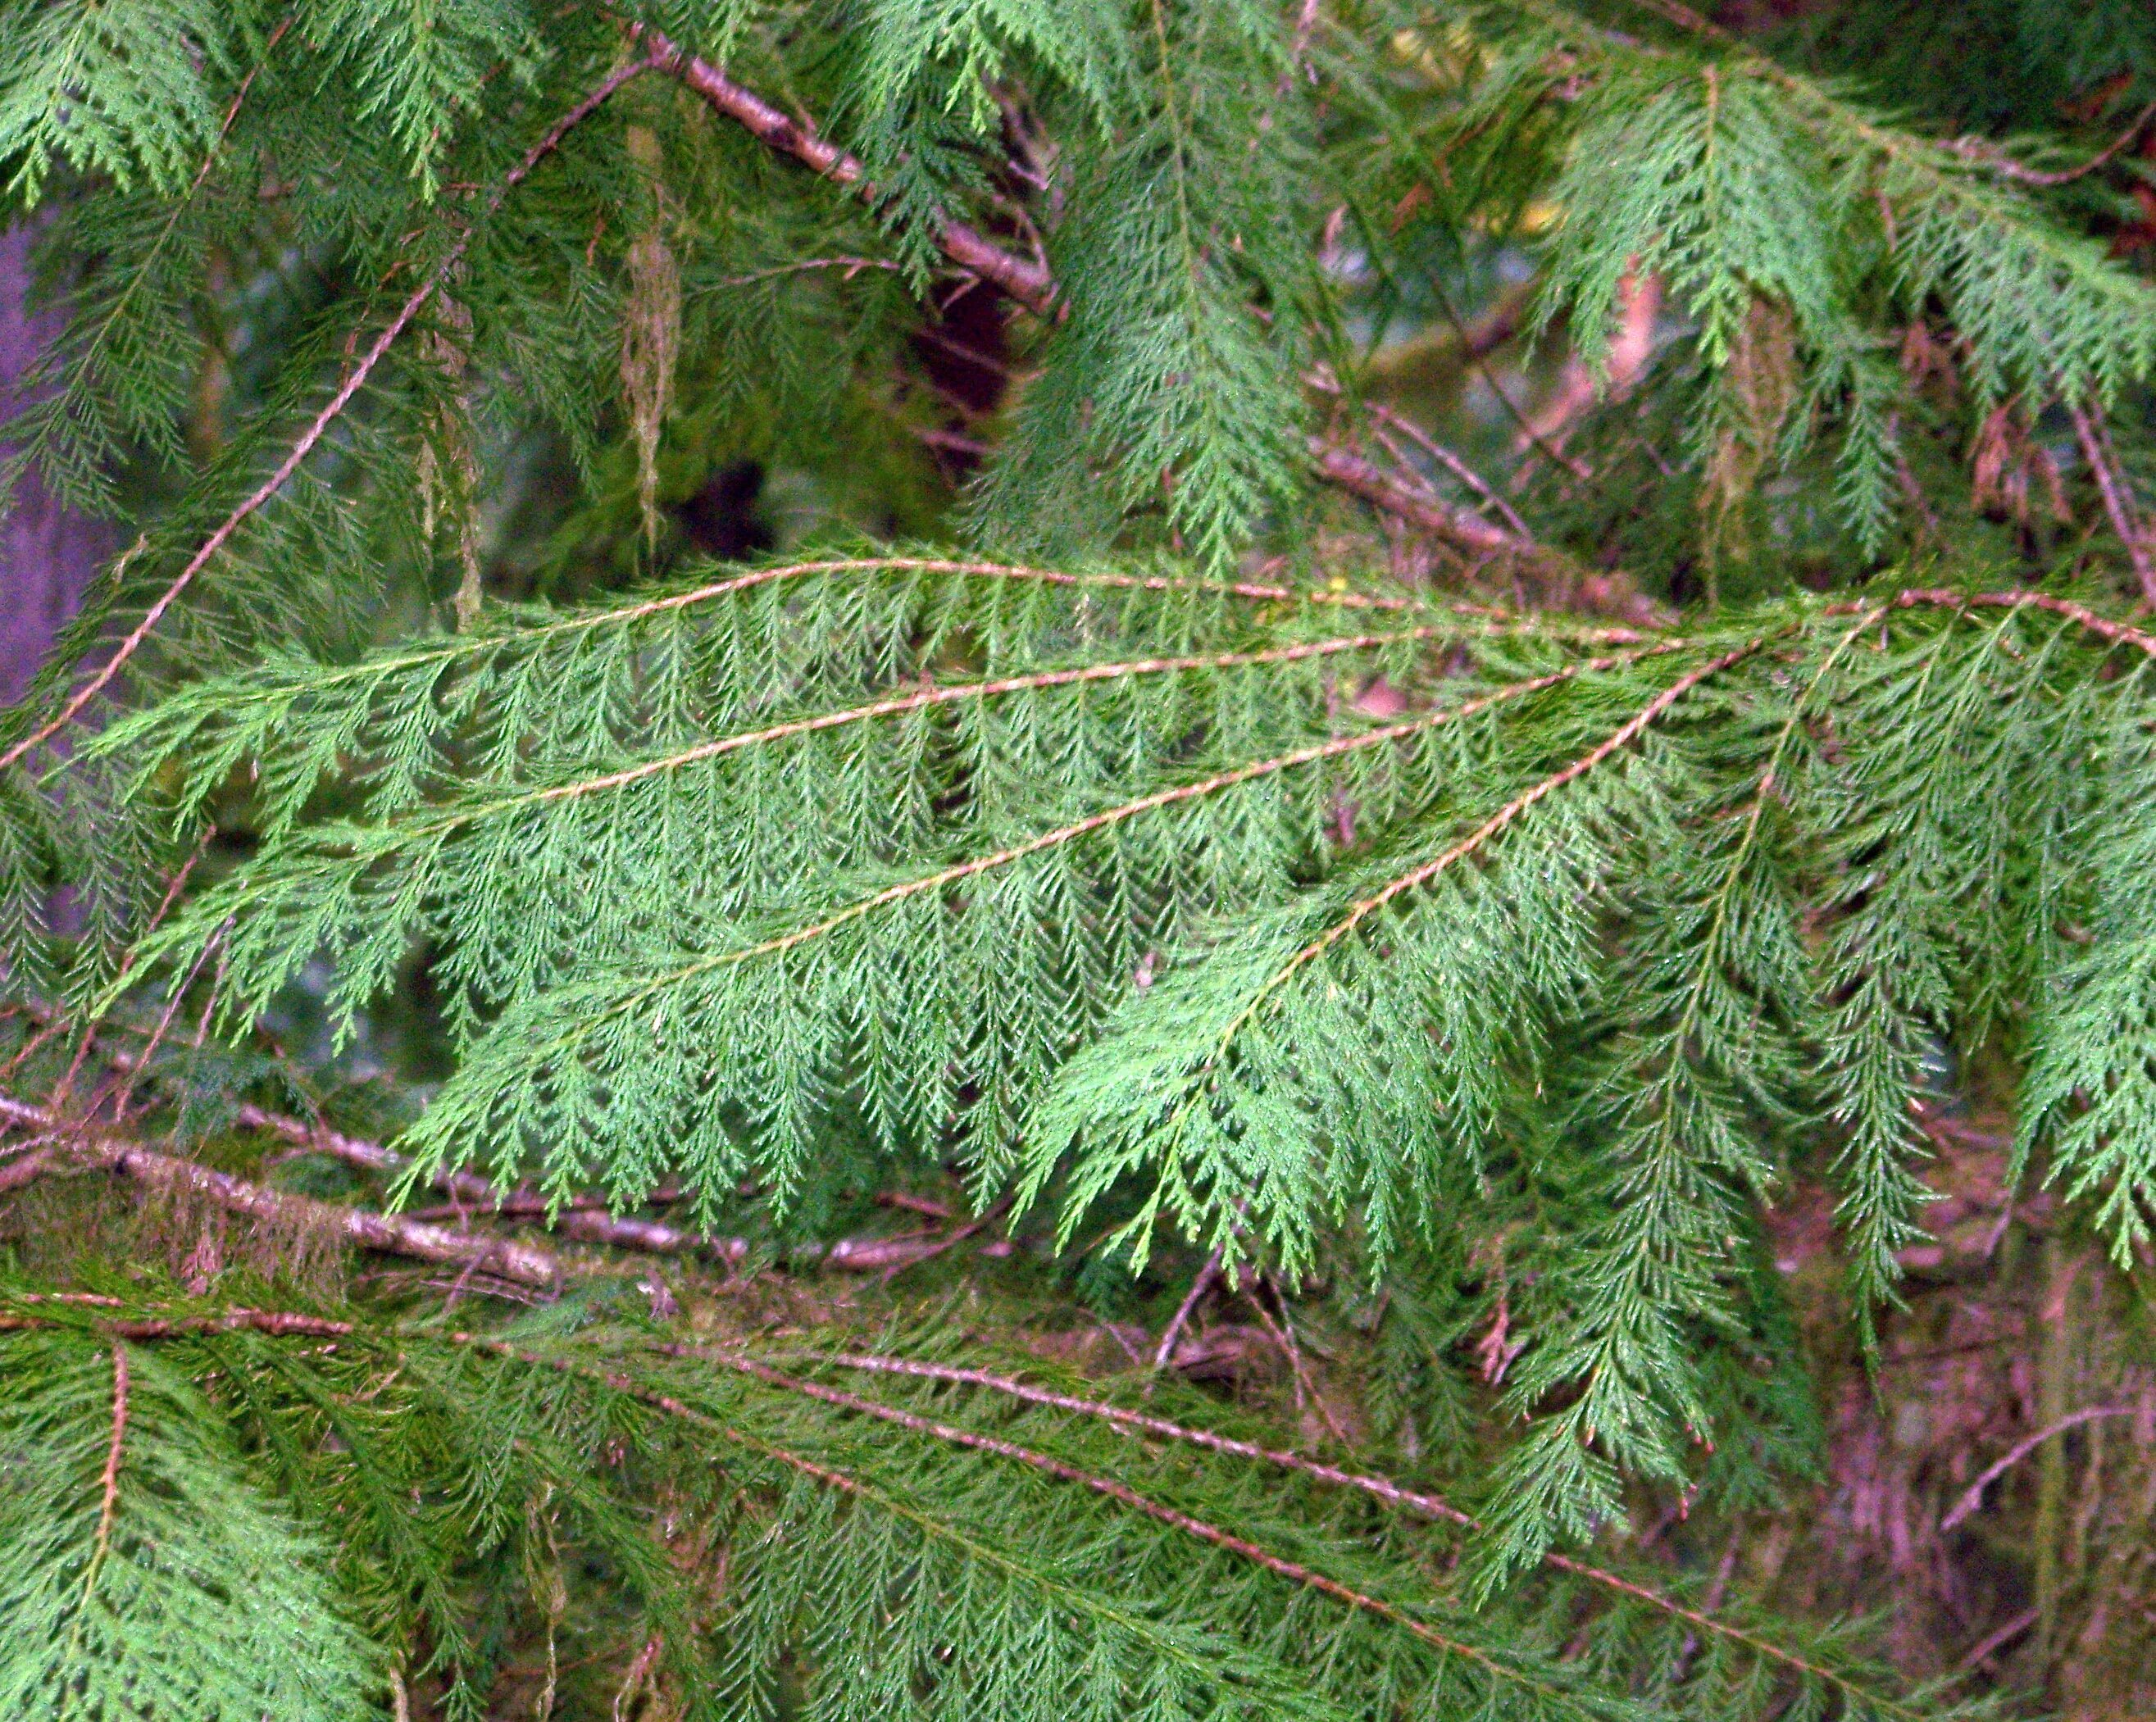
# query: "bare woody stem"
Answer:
x=304 y=446
x=1205 y=1276
x=279 y=1323
x=521 y=1263
x=476 y=1196
x=484 y=1197
x=1601 y=594
x=108 y=1512
x=2117 y=500
x=1989 y=155
x=507 y=1258
x=1972 y=1497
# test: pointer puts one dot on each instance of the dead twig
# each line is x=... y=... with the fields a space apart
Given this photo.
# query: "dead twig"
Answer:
x=1166 y=1348
x=1993 y=1642
x=585 y=1225
x=1031 y=285
x=1611 y=594
x=1452 y=464
x=2117 y=499
x=1972 y=1497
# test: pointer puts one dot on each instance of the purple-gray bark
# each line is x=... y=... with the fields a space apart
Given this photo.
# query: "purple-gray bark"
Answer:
x=48 y=552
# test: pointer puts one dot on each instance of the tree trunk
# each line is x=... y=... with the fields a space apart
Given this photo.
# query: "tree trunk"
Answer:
x=48 y=551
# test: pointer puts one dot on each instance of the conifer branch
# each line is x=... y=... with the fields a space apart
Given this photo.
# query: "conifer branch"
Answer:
x=1987 y=154
x=943 y=878
x=296 y=456
x=1125 y=1495
x=2119 y=633
x=840 y=1482
x=786 y=880
x=479 y=644
x=926 y=700
x=1027 y=283
x=139 y=276
x=1477 y=839
x=1973 y=149
x=1032 y=286
x=109 y=1509
x=1380 y=1487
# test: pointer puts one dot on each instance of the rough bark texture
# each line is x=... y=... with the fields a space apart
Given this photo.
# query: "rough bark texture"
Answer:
x=48 y=552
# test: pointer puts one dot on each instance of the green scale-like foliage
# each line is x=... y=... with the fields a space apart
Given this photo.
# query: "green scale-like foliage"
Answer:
x=1132 y=848
x=959 y=1564
x=1619 y=923
x=143 y=1575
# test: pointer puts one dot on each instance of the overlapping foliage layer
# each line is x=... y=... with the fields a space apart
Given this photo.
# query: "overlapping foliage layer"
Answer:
x=1152 y=854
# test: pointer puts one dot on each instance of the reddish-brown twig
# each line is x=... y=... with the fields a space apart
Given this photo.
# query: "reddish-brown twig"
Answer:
x=1611 y=594
x=281 y=1323
x=507 y=1258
